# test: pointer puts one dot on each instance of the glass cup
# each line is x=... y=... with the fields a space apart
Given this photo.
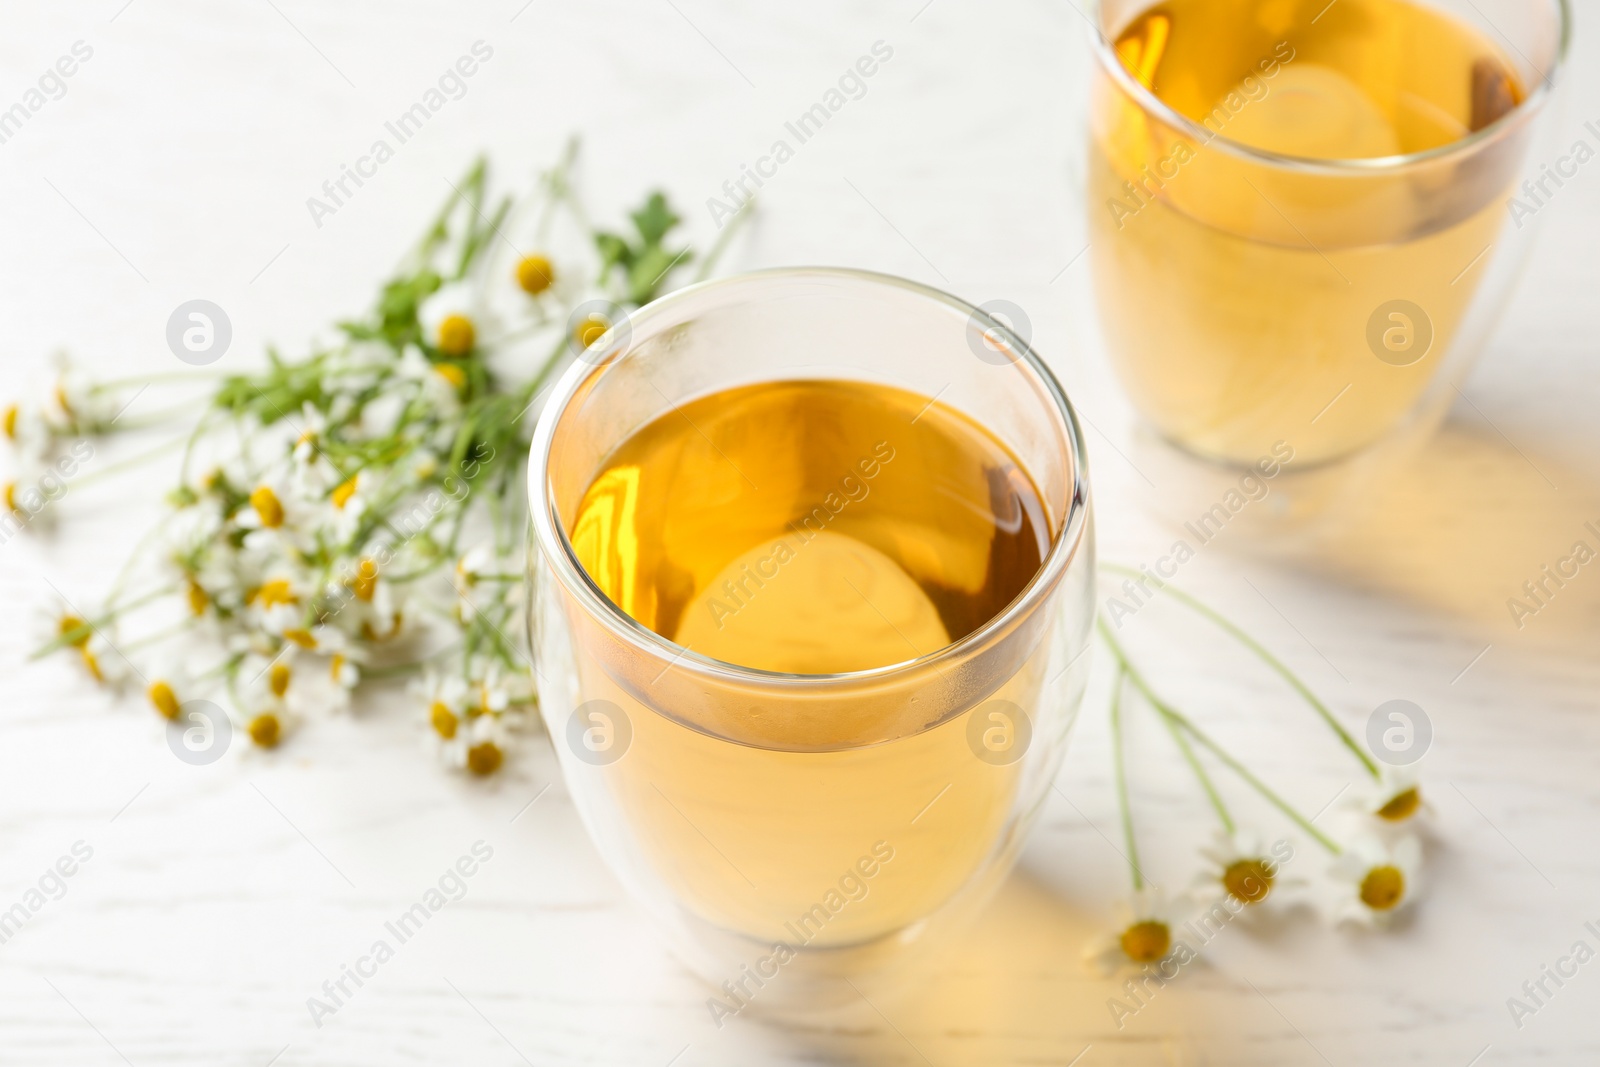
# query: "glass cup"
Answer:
x=1308 y=317
x=780 y=863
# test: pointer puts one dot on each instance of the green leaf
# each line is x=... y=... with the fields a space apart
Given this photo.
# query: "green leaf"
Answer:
x=655 y=219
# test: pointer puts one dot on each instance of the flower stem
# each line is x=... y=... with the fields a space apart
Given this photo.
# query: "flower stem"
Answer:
x=1179 y=719
x=720 y=245
x=131 y=461
x=157 y=637
x=1266 y=657
x=191 y=376
x=1201 y=775
x=1123 y=806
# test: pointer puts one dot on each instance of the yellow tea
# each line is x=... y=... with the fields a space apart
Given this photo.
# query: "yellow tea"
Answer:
x=1249 y=300
x=813 y=527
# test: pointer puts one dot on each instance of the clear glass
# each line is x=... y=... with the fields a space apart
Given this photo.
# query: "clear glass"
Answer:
x=1315 y=312
x=778 y=865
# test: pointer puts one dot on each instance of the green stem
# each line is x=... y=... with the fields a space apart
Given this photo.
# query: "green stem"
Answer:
x=131 y=461
x=554 y=180
x=164 y=417
x=125 y=573
x=1119 y=764
x=157 y=637
x=153 y=379
x=194 y=439
x=724 y=238
x=1228 y=825
x=530 y=391
x=221 y=668
x=1266 y=657
x=1177 y=717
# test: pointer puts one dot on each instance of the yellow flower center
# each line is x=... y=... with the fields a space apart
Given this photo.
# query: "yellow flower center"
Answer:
x=69 y=624
x=1401 y=806
x=301 y=637
x=484 y=758
x=1147 y=941
x=163 y=698
x=457 y=335
x=1248 y=881
x=61 y=398
x=343 y=492
x=365 y=583
x=268 y=507
x=270 y=594
x=197 y=598
x=12 y=414
x=534 y=274
x=278 y=679
x=443 y=719
x=336 y=667
x=590 y=330
x=11 y=497
x=1383 y=888
x=91 y=663
x=266 y=730
x=452 y=373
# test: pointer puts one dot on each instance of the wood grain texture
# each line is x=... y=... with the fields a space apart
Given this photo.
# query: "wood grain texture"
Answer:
x=218 y=899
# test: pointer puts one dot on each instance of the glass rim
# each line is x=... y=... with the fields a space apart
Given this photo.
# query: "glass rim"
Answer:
x=1151 y=103
x=553 y=543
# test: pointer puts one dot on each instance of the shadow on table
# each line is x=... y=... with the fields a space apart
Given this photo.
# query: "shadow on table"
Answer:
x=1479 y=529
x=1012 y=990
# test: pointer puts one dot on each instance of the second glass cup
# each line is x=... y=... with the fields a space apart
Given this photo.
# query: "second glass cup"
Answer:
x=1304 y=220
x=815 y=812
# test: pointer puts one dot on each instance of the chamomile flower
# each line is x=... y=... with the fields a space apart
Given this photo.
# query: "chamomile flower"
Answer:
x=1393 y=798
x=440 y=390
x=486 y=745
x=535 y=274
x=167 y=685
x=505 y=689
x=338 y=486
x=22 y=501
x=349 y=502
x=372 y=607
x=1146 y=932
x=268 y=692
x=1373 y=880
x=476 y=562
x=1243 y=867
x=344 y=668
x=276 y=605
x=454 y=321
x=545 y=263
x=310 y=470
x=25 y=429
x=74 y=406
x=445 y=700
x=94 y=651
x=267 y=724
x=276 y=516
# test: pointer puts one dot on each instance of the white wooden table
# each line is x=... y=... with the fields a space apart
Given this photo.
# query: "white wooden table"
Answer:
x=218 y=899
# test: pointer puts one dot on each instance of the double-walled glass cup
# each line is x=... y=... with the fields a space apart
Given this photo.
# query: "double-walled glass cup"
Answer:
x=794 y=830
x=1305 y=314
